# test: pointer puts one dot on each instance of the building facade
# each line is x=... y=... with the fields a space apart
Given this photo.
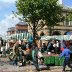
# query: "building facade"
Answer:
x=66 y=25
x=63 y=28
x=20 y=27
x=11 y=30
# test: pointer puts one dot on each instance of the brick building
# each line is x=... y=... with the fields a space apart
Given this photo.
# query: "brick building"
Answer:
x=11 y=30
x=20 y=27
x=62 y=28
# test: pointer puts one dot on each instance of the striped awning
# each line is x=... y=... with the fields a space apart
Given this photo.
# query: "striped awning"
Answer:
x=19 y=36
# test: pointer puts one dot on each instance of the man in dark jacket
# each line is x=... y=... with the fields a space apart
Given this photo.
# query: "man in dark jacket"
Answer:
x=23 y=45
x=44 y=47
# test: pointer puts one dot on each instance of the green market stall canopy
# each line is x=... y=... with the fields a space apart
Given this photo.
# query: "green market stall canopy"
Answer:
x=19 y=36
x=59 y=37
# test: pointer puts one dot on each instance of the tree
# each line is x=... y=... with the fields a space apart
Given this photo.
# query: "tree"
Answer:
x=48 y=12
x=67 y=12
x=52 y=13
x=30 y=11
x=69 y=16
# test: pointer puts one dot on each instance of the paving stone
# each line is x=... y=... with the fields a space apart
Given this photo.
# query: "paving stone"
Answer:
x=5 y=66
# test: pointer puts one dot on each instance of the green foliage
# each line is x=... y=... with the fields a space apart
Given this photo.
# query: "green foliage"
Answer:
x=52 y=14
x=69 y=16
x=34 y=10
x=29 y=9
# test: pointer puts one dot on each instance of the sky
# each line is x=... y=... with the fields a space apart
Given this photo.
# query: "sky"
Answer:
x=7 y=19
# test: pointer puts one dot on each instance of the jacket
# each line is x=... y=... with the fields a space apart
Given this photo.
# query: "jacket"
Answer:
x=66 y=53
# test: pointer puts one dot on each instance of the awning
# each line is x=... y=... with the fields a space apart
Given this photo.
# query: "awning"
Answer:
x=69 y=33
x=59 y=37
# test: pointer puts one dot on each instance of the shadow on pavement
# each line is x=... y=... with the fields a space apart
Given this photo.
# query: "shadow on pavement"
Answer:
x=68 y=70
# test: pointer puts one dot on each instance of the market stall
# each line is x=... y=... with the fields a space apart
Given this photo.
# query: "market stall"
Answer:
x=53 y=59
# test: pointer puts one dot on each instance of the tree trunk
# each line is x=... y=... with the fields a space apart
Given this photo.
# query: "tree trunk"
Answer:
x=50 y=31
x=34 y=33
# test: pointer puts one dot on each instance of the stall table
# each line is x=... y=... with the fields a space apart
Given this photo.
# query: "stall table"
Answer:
x=53 y=60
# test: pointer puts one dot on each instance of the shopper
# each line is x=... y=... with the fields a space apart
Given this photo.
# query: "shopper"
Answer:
x=66 y=54
x=15 y=53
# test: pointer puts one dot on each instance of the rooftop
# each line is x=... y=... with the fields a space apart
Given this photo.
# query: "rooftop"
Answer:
x=11 y=29
x=22 y=23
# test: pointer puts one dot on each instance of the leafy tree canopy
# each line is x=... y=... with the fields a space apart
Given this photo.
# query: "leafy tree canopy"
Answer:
x=48 y=11
x=35 y=10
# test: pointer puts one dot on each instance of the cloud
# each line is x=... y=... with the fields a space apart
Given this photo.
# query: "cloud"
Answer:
x=8 y=1
x=8 y=21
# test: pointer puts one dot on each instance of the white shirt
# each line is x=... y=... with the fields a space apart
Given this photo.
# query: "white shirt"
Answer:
x=39 y=54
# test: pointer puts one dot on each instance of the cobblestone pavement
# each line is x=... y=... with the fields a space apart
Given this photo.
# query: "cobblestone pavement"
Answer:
x=6 y=67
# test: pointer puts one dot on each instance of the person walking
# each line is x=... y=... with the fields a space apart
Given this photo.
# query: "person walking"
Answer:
x=34 y=55
x=66 y=54
x=23 y=45
x=15 y=54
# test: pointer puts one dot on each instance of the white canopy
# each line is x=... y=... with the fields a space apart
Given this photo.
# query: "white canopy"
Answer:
x=59 y=37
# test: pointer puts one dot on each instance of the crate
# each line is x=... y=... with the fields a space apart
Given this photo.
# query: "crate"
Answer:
x=52 y=60
x=62 y=61
x=47 y=60
x=57 y=61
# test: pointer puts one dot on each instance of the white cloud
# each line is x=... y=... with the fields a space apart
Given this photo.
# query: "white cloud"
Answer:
x=8 y=1
x=8 y=21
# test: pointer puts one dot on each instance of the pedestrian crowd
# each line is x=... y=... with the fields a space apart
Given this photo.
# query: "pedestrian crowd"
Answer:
x=29 y=53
